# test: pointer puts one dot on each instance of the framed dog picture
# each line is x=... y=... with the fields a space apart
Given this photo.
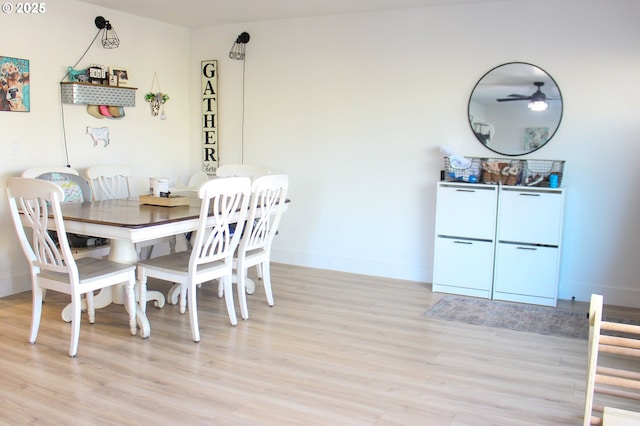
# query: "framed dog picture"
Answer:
x=121 y=73
x=14 y=84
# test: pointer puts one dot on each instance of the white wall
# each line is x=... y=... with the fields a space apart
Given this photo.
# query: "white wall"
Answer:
x=56 y=39
x=354 y=108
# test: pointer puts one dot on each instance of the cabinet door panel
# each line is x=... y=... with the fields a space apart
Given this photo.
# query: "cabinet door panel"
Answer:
x=463 y=263
x=526 y=270
x=527 y=216
x=466 y=211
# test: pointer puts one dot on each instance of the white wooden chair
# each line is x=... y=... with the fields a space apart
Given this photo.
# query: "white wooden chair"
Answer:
x=213 y=248
x=614 y=377
x=110 y=181
x=52 y=265
x=247 y=170
x=268 y=197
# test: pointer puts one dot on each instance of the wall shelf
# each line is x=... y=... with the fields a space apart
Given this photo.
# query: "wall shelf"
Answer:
x=97 y=94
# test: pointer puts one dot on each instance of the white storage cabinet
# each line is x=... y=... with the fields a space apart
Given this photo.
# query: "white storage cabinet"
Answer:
x=529 y=236
x=500 y=242
x=465 y=239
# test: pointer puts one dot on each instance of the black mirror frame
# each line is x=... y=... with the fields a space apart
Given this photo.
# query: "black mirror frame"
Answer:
x=525 y=152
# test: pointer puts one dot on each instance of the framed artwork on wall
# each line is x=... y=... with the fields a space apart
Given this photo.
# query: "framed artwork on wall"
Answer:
x=14 y=84
x=535 y=137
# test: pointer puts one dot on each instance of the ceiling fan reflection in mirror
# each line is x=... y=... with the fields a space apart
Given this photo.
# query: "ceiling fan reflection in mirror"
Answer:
x=538 y=101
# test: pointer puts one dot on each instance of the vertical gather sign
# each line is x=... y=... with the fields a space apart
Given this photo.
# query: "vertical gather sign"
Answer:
x=209 y=75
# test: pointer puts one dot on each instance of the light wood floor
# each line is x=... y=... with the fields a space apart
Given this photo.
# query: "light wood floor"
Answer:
x=336 y=349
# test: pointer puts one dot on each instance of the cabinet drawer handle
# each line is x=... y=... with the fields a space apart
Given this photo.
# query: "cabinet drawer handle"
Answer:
x=527 y=248
x=465 y=190
x=529 y=195
x=463 y=242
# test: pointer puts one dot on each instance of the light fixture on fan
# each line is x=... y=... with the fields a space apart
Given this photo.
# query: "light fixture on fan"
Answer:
x=239 y=47
x=110 y=39
x=538 y=101
x=538 y=105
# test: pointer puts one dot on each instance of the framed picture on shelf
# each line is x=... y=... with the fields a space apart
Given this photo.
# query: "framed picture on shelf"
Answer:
x=121 y=73
x=113 y=80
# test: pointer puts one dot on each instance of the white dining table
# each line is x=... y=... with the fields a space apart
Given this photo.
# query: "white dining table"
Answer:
x=125 y=222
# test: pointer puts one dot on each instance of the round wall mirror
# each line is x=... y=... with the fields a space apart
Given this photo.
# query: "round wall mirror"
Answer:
x=515 y=108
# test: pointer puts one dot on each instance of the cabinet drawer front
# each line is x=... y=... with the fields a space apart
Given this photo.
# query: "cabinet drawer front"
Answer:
x=463 y=263
x=530 y=216
x=527 y=270
x=466 y=211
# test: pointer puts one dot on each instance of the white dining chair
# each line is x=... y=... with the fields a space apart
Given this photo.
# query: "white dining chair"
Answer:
x=195 y=180
x=35 y=204
x=111 y=181
x=224 y=201
x=247 y=170
x=268 y=197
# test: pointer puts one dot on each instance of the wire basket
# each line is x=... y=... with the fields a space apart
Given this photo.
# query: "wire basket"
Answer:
x=541 y=172
x=502 y=171
x=507 y=171
x=469 y=174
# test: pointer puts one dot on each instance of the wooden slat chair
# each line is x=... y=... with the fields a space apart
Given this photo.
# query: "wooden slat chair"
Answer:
x=35 y=208
x=268 y=197
x=613 y=378
x=212 y=254
x=248 y=170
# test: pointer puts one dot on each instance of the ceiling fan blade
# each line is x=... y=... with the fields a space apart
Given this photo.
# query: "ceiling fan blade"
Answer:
x=514 y=99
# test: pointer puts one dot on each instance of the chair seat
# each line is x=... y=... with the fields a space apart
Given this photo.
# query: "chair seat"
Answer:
x=90 y=270
x=178 y=264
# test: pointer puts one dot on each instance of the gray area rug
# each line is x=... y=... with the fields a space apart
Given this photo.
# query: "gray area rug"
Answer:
x=512 y=316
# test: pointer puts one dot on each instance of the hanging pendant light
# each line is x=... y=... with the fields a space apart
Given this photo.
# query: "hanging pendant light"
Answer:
x=239 y=47
x=110 y=39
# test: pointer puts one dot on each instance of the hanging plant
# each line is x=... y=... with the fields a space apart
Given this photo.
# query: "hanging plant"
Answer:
x=156 y=99
x=161 y=97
